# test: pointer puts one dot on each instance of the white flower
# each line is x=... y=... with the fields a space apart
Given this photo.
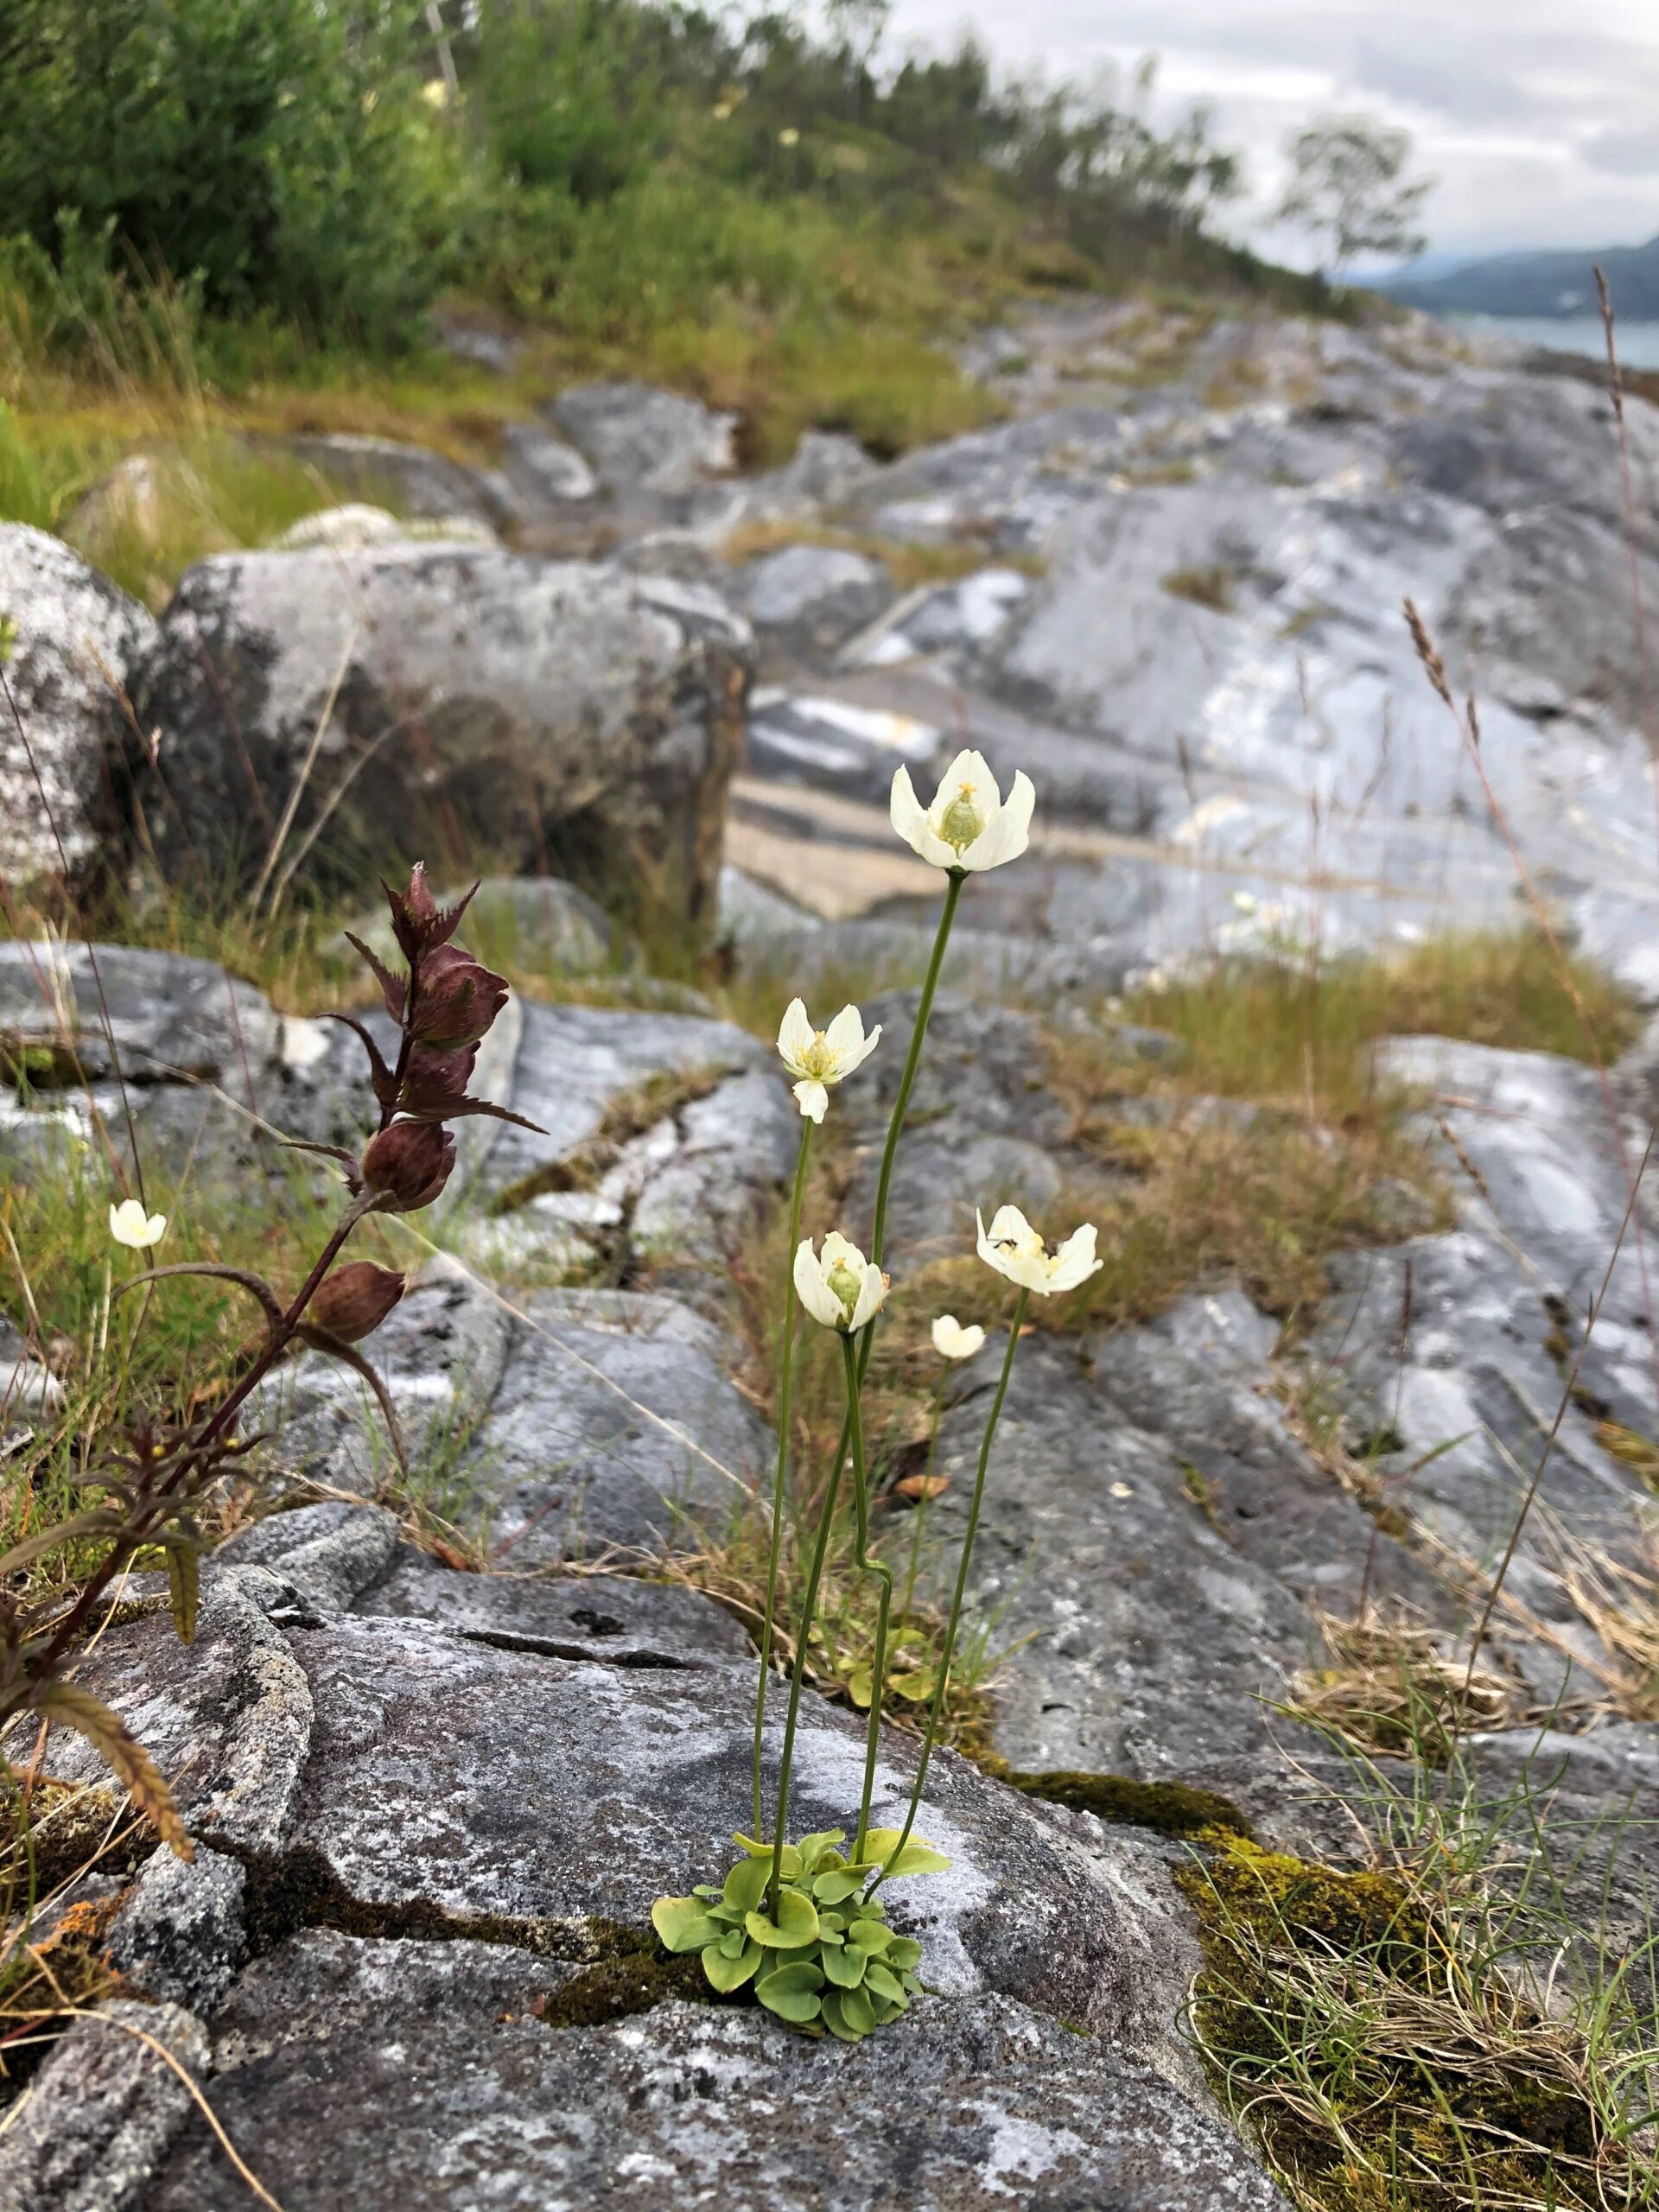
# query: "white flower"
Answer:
x=1013 y=1248
x=969 y=826
x=840 y=1287
x=132 y=1226
x=821 y=1057
x=954 y=1341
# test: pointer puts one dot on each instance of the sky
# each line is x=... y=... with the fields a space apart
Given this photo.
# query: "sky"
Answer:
x=1539 y=118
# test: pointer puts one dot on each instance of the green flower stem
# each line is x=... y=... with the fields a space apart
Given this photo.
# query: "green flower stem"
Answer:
x=920 y=1515
x=782 y=1459
x=867 y=1566
x=797 y=1675
x=942 y=1685
x=907 y=1081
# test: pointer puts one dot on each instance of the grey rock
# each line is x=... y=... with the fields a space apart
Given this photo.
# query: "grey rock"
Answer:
x=179 y=1937
x=614 y=1619
x=618 y=1095
x=635 y=436
x=95 y=2123
x=811 y=598
x=412 y=480
x=540 y=474
x=168 y=1017
x=566 y=709
x=350 y=528
x=961 y=618
x=1461 y=1361
x=823 y=468
x=980 y=2104
x=612 y=1431
x=79 y=640
x=227 y=1718
x=327 y=1552
x=440 y=1355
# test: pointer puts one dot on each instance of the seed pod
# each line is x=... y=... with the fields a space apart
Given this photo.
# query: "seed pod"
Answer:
x=352 y=1302
x=408 y=1165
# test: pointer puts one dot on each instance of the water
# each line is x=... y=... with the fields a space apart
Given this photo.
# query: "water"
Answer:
x=1638 y=342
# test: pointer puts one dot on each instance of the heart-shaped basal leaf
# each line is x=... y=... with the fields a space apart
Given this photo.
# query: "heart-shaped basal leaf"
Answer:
x=903 y=1954
x=683 y=1924
x=838 y=1885
x=792 y=1992
x=918 y=1857
x=870 y=1936
x=755 y=1849
x=797 y=1922
x=746 y=1883
x=882 y=1984
x=813 y=1850
x=844 y=1968
x=726 y=1970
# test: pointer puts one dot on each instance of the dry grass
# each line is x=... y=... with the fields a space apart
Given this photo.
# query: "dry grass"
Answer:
x=1438 y=2028
x=908 y=564
x=1392 y=1687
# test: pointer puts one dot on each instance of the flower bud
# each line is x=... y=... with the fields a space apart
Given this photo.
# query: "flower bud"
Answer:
x=457 y=1001
x=352 y=1302
x=408 y=1165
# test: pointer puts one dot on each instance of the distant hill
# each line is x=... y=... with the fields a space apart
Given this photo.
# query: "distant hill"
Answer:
x=1555 y=283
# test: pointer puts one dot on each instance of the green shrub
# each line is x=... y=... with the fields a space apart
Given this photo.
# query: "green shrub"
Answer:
x=277 y=152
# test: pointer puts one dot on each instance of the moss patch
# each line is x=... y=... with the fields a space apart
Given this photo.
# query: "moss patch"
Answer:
x=637 y=1975
x=1363 y=2030
x=1171 y=1808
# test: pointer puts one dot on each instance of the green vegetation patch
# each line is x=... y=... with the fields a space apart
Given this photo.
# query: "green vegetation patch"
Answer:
x=1171 y=1808
x=1356 y=2022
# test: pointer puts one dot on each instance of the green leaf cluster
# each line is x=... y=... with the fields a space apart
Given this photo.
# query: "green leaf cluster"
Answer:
x=824 y=1957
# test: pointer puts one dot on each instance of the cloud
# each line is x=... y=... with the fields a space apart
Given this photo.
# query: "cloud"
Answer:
x=1454 y=83
x=1534 y=114
x=1624 y=153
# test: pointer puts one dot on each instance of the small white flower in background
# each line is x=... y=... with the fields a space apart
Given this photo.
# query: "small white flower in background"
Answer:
x=822 y=1057
x=1244 y=901
x=838 y=1286
x=954 y=1341
x=1013 y=1248
x=132 y=1226
x=789 y=137
x=969 y=826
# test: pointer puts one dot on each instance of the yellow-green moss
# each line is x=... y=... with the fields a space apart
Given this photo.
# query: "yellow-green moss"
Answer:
x=1171 y=1808
x=1379 y=2063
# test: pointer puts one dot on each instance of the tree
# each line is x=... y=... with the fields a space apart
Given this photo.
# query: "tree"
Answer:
x=1346 y=187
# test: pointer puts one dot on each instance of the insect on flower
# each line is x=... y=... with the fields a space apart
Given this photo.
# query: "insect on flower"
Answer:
x=1015 y=1249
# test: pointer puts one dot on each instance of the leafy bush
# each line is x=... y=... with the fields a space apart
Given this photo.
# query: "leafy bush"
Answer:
x=276 y=151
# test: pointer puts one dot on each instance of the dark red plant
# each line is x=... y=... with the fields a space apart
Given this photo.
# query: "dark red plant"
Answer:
x=152 y=1481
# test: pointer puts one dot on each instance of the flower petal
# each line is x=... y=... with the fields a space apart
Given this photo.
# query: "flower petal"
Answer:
x=794 y=1036
x=812 y=1099
x=872 y=1294
x=839 y=1251
x=1007 y=835
x=1075 y=1261
x=845 y=1036
x=811 y=1289
x=1009 y=1226
x=905 y=811
x=952 y=1341
x=911 y=822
